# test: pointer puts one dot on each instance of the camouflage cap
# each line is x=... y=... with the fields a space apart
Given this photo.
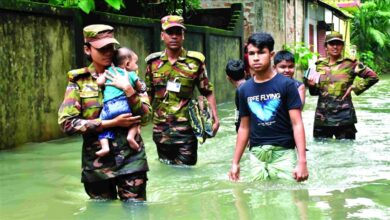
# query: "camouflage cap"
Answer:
x=334 y=36
x=99 y=35
x=172 y=21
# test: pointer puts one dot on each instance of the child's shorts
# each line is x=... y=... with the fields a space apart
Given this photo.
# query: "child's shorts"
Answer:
x=112 y=109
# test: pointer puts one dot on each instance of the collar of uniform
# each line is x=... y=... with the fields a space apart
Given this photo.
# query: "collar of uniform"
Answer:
x=91 y=69
x=339 y=60
x=182 y=56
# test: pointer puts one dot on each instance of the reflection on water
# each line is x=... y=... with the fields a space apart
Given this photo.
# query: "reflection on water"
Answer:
x=348 y=179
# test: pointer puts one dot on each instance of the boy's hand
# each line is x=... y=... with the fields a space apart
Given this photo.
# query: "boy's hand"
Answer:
x=300 y=172
x=234 y=173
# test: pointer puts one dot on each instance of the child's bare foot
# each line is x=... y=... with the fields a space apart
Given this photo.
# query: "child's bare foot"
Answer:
x=102 y=152
x=133 y=144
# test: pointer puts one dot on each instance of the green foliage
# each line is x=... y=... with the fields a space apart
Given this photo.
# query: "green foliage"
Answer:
x=371 y=34
x=190 y=5
x=171 y=6
x=368 y=58
x=302 y=54
x=87 y=5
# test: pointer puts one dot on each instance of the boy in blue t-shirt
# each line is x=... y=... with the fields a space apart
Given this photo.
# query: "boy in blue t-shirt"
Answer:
x=284 y=64
x=114 y=99
x=270 y=111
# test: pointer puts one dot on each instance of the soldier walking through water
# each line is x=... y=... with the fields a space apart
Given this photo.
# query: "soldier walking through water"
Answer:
x=171 y=76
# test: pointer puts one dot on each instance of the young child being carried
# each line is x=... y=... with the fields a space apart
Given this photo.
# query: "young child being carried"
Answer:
x=284 y=64
x=115 y=101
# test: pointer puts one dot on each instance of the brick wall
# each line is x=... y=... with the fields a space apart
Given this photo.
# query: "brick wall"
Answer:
x=282 y=18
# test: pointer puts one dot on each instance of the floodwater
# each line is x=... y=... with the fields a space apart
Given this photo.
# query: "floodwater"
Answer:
x=348 y=179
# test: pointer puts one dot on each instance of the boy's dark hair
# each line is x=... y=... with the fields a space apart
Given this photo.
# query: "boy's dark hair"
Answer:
x=262 y=40
x=283 y=55
x=120 y=57
x=235 y=69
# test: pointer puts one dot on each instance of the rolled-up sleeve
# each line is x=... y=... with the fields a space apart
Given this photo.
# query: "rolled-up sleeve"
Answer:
x=369 y=78
x=204 y=85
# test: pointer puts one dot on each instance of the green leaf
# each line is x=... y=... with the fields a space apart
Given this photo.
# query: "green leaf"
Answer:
x=87 y=5
x=115 y=4
x=55 y=2
x=377 y=36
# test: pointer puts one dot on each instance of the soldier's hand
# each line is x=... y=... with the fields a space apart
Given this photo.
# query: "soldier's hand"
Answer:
x=349 y=90
x=127 y=120
x=234 y=173
x=117 y=80
x=215 y=126
x=313 y=77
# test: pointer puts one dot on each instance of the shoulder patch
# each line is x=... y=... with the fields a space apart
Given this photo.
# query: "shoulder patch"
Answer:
x=153 y=56
x=197 y=55
x=77 y=72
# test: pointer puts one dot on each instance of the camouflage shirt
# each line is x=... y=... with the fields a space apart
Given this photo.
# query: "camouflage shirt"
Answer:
x=334 y=82
x=170 y=117
x=79 y=113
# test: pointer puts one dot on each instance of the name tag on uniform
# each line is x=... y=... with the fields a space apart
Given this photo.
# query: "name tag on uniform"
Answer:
x=173 y=86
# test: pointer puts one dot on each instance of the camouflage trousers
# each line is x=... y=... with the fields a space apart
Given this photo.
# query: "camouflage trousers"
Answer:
x=176 y=144
x=179 y=154
x=127 y=187
x=340 y=132
x=272 y=162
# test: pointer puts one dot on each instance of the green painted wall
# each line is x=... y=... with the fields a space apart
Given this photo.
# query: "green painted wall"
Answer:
x=138 y=39
x=222 y=49
x=35 y=53
x=40 y=44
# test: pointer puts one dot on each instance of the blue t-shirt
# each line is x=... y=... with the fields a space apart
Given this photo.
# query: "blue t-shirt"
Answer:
x=111 y=92
x=297 y=83
x=267 y=104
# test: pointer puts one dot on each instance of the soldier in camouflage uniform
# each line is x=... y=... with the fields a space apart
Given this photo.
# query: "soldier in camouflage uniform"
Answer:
x=171 y=76
x=123 y=170
x=335 y=114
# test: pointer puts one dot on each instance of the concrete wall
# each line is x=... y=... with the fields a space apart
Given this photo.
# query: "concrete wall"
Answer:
x=39 y=44
x=35 y=52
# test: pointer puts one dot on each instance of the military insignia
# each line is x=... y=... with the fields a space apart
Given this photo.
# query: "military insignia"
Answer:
x=153 y=56
x=197 y=55
x=159 y=65
x=191 y=66
x=89 y=90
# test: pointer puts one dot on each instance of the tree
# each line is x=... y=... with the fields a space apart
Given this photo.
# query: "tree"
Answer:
x=87 y=6
x=371 y=34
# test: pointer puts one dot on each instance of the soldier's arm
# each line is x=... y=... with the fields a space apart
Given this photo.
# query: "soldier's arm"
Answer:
x=148 y=82
x=140 y=106
x=206 y=88
x=314 y=90
x=69 y=113
x=369 y=78
x=312 y=81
